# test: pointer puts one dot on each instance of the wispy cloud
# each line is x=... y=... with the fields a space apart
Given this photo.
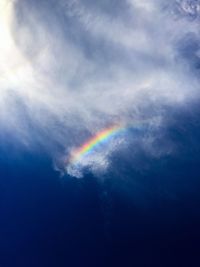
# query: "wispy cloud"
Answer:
x=71 y=68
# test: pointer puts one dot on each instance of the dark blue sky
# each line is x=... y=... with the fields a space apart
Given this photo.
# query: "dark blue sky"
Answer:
x=132 y=218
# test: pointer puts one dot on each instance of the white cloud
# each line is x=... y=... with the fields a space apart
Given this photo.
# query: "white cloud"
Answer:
x=78 y=69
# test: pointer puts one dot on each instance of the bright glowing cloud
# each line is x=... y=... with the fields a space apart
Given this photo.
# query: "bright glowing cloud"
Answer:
x=70 y=68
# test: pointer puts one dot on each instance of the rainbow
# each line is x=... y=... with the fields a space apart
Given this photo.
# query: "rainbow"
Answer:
x=92 y=143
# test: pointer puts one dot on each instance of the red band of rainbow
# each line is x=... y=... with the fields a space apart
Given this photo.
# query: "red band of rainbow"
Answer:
x=99 y=138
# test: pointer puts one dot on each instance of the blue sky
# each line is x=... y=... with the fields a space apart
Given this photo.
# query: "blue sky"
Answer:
x=68 y=70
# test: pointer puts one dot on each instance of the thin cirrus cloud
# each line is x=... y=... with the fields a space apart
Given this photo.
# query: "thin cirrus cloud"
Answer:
x=71 y=68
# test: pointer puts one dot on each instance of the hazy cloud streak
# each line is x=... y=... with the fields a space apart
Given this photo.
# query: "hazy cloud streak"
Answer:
x=71 y=68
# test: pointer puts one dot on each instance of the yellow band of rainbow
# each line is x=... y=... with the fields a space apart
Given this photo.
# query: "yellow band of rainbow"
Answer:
x=99 y=138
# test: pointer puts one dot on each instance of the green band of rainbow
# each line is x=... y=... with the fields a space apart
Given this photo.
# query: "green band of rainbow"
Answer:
x=99 y=138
